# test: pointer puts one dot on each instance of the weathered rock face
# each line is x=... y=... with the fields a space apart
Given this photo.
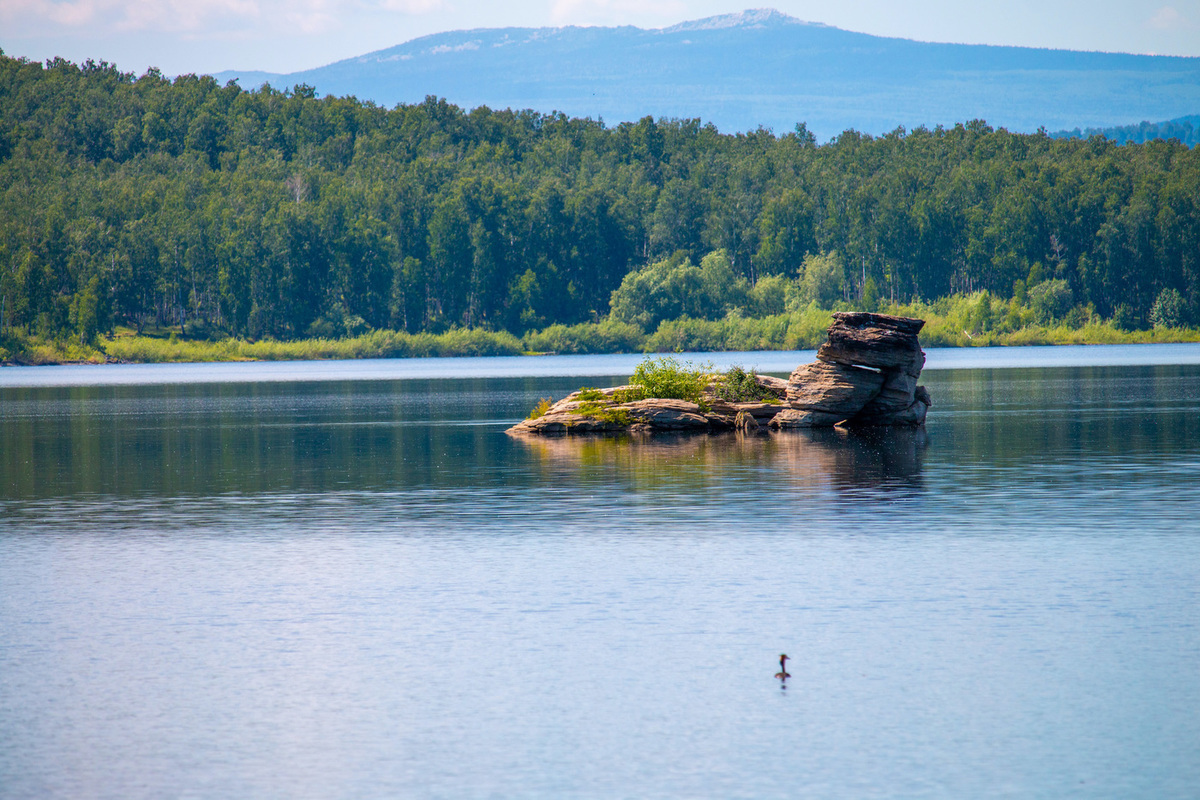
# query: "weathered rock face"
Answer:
x=795 y=418
x=874 y=340
x=762 y=412
x=901 y=402
x=666 y=415
x=572 y=415
x=865 y=375
x=832 y=388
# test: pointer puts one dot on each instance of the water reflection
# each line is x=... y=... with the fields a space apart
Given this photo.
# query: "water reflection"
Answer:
x=872 y=461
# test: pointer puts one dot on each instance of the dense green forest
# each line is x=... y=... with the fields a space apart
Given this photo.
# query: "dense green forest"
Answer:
x=147 y=202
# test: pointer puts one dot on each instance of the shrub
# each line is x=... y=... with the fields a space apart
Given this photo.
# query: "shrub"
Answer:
x=605 y=413
x=630 y=395
x=541 y=408
x=739 y=386
x=665 y=377
x=1125 y=318
x=1051 y=300
x=607 y=336
x=1169 y=310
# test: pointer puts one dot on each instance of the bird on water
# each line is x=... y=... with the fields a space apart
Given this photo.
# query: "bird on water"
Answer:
x=783 y=673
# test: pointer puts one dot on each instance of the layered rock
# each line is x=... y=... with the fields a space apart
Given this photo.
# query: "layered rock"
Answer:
x=865 y=375
x=881 y=341
x=831 y=388
x=603 y=411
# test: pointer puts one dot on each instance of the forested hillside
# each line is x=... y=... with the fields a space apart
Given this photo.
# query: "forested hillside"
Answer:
x=1185 y=129
x=146 y=202
x=761 y=68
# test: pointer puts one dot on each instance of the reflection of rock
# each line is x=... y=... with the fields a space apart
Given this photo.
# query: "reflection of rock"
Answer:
x=864 y=376
x=746 y=422
x=821 y=460
x=886 y=458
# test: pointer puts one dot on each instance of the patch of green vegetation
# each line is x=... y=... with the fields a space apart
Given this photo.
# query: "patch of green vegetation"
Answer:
x=606 y=336
x=541 y=408
x=739 y=386
x=18 y=347
x=376 y=344
x=629 y=395
x=666 y=378
x=605 y=413
x=589 y=395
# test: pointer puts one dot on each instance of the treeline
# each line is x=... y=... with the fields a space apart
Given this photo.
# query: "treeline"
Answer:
x=142 y=201
x=1185 y=129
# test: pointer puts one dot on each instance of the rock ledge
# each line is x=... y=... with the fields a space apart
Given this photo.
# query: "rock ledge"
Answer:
x=865 y=375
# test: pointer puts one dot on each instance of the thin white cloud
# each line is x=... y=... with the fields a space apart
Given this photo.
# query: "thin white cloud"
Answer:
x=127 y=15
x=197 y=17
x=1167 y=18
x=412 y=6
x=565 y=12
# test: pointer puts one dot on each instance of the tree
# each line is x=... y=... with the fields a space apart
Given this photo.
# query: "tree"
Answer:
x=823 y=278
x=1169 y=309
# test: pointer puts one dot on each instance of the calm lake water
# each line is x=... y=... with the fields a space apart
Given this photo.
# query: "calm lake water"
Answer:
x=343 y=580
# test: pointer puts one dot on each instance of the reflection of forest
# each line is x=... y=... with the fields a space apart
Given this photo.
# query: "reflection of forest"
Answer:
x=815 y=459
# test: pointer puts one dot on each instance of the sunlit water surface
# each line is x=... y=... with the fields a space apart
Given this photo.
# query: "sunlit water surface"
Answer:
x=359 y=586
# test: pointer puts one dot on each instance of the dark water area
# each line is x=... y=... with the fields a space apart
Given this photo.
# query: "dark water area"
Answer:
x=364 y=587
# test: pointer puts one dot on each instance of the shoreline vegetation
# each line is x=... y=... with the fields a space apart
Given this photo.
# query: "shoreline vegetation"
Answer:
x=272 y=224
x=963 y=321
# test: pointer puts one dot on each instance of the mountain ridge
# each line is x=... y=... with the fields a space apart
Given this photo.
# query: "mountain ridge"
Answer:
x=762 y=68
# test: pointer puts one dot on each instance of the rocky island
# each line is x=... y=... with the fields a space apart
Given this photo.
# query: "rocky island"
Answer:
x=865 y=375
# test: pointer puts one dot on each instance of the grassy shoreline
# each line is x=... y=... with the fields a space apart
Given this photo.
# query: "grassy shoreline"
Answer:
x=797 y=331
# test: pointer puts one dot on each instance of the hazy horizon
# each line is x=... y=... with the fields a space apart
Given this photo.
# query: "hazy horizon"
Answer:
x=210 y=36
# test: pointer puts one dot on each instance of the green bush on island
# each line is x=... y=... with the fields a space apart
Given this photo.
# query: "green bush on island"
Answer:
x=540 y=409
x=666 y=378
x=740 y=386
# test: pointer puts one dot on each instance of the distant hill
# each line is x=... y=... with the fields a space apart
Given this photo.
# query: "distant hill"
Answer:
x=1185 y=129
x=764 y=68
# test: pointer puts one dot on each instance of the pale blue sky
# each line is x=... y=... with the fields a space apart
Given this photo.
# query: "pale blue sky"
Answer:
x=286 y=35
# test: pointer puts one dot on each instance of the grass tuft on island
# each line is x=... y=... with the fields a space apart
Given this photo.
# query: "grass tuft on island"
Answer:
x=666 y=378
x=976 y=320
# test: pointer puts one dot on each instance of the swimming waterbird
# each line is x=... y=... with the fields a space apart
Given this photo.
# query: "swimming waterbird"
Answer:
x=783 y=673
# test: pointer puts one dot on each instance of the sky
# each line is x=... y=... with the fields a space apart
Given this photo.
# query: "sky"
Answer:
x=203 y=36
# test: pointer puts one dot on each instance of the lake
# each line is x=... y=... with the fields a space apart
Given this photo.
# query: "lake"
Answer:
x=342 y=579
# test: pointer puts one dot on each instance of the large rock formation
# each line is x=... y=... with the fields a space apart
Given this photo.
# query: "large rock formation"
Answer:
x=865 y=375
